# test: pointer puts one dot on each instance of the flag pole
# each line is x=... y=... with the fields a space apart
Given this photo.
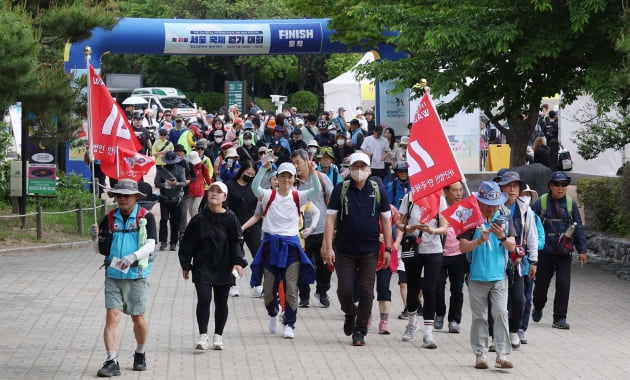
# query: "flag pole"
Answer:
x=88 y=55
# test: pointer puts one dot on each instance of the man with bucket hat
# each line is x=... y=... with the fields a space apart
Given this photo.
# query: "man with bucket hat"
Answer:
x=564 y=233
x=127 y=238
x=170 y=179
x=488 y=247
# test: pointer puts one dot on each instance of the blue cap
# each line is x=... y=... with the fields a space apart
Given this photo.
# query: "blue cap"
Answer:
x=490 y=194
x=559 y=177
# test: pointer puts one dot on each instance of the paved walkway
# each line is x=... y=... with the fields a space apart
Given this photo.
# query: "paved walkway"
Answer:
x=52 y=317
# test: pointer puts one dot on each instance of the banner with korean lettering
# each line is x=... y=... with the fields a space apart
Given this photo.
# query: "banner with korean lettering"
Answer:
x=432 y=165
x=463 y=215
x=113 y=142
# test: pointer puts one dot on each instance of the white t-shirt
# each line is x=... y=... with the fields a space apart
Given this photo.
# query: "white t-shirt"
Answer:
x=377 y=146
x=282 y=215
x=430 y=243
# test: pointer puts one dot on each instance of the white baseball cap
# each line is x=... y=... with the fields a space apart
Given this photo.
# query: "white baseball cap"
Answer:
x=286 y=167
x=221 y=186
x=359 y=156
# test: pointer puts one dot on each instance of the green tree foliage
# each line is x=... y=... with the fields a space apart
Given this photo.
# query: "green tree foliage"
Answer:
x=604 y=131
x=338 y=64
x=502 y=57
x=304 y=100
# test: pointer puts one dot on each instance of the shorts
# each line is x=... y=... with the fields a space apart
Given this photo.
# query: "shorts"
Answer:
x=402 y=277
x=130 y=296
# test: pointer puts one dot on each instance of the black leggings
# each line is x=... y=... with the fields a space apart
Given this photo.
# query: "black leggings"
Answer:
x=204 y=297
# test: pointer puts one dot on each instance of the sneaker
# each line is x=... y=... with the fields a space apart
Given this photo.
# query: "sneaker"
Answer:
x=139 y=362
x=439 y=322
x=288 y=332
x=521 y=337
x=429 y=342
x=202 y=343
x=217 y=342
x=110 y=368
x=383 y=328
x=274 y=324
x=481 y=362
x=515 y=341
x=410 y=331
x=349 y=323
x=257 y=291
x=358 y=338
x=234 y=291
x=324 y=301
x=560 y=324
x=304 y=303
x=536 y=315
x=173 y=247
x=453 y=327
x=162 y=246
x=404 y=314
x=503 y=362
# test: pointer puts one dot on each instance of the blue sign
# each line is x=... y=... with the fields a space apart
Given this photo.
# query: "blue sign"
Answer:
x=296 y=38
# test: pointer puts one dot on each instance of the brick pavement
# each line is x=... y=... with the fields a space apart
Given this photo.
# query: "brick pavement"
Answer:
x=52 y=316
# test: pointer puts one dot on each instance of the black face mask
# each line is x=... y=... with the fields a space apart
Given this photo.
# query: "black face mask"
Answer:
x=247 y=178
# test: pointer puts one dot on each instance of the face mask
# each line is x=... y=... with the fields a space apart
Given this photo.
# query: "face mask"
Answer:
x=341 y=142
x=247 y=142
x=248 y=179
x=312 y=150
x=526 y=199
x=218 y=140
x=297 y=138
x=359 y=175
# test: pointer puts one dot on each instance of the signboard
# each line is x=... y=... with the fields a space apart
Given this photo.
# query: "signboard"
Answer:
x=235 y=93
x=393 y=108
x=42 y=169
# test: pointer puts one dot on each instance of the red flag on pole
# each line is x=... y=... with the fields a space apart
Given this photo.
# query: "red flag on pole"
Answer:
x=429 y=206
x=464 y=215
x=432 y=165
x=113 y=141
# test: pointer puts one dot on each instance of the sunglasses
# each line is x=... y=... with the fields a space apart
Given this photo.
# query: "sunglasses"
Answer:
x=560 y=184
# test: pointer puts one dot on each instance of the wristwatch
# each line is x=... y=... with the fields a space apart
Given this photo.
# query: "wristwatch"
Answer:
x=503 y=239
x=389 y=250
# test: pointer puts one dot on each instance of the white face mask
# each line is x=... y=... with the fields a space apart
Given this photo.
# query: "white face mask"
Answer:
x=312 y=150
x=359 y=175
x=341 y=142
x=526 y=199
x=247 y=142
x=218 y=140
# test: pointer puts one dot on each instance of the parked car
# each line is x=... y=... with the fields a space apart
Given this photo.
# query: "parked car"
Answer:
x=163 y=98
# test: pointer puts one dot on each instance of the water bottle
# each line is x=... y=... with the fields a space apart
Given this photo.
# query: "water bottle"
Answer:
x=569 y=231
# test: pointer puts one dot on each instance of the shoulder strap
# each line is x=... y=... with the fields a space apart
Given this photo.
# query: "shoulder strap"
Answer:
x=377 y=192
x=344 y=198
x=141 y=213
x=296 y=199
x=271 y=198
x=543 y=205
x=321 y=184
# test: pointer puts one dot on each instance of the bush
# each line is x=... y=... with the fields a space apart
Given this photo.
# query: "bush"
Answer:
x=71 y=189
x=304 y=100
x=210 y=101
x=604 y=204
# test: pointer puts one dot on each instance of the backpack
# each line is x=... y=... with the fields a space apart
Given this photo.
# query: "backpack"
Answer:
x=105 y=242
x=344 y=197
x=543 y=206
x=296 y=199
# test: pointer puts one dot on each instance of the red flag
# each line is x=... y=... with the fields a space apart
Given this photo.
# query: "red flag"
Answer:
x=429 y=206
x=113 y=140
x=432 y=165
x=464 y=215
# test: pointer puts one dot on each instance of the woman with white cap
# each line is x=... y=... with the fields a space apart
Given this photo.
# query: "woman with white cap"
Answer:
x=212 y=249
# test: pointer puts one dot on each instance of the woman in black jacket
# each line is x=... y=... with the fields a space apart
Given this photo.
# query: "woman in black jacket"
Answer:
x=212 y=248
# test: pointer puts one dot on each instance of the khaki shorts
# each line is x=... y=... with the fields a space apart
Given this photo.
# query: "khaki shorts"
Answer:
x=130 y=296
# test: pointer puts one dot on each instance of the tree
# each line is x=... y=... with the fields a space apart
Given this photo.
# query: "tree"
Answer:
x=603 y=131
x=500 y=57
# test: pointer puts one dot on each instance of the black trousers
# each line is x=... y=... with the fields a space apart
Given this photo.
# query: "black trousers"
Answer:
x=548 y=265
x=204 y=297
x=313 y=246
x=453 y=267
x=169 y=212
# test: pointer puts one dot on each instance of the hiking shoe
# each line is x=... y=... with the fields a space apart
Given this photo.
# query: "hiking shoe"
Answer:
x=383 y=328
x=304 y=303
x=560 y=324
x=173 y=247
x=324 y=301
x=110 y=368
x=139 y=362
x=234 y=292
x=274 y=324
x=521 y=337
x=453 y=327
x=288 y=332
x=358 y=338
x=429 y=342
x=217 y=342
x=410 y=332
x=515 y=341
x=503 y=362
x=202 y=343
x=257 y=291
x=349 y=323
x=162 y=246
x=481 y=362
x=536 y=315
x=439 y=322
x=404 y=314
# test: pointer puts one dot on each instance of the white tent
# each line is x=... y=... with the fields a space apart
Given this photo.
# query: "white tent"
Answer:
x=345 y=91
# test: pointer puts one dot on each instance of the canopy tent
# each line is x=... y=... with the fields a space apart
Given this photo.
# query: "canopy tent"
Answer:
x=347 y=92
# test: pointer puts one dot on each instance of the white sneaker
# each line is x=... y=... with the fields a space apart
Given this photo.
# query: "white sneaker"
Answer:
x=515 y=341
x=410 y=332
x=429 y=342
x=257 y=291
x=202 y=343
x=274 y=324
x=234 y=291
x=288 y=332
x=217 y=342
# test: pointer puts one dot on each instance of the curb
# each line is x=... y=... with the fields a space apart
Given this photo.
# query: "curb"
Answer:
x=71 y=245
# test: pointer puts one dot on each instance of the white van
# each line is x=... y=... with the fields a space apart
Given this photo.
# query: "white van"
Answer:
x=162 y=98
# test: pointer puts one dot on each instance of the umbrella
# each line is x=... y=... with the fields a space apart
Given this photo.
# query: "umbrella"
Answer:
x=135 y=100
